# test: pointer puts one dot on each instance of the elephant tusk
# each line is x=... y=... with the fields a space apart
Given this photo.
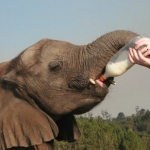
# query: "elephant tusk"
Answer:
x=92 y=81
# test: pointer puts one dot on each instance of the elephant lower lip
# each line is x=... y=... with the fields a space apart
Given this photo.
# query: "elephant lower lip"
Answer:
x=100 y=83
x=101 y=92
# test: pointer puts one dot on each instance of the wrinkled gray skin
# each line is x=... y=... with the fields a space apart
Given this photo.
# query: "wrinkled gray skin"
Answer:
x=43 y=87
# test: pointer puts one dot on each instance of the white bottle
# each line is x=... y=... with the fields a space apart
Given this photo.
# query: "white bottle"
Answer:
x=120 y=62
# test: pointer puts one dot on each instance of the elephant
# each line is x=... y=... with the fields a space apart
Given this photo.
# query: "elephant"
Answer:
x=47 y=84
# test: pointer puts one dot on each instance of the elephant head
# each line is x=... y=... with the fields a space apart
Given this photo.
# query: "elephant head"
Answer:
x=45 y=85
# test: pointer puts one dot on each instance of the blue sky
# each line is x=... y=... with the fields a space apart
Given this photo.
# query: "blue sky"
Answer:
x=80 y=22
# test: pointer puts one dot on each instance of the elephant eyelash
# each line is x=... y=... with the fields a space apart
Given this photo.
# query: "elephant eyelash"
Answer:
x=55 y=66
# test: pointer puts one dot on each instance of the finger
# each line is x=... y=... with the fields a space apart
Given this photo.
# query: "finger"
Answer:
x=147 y=53
x=144 y=61
x=130 y=58
x=130 y=55
x=142 y=58
x=130 y=51
x=143 y=49
x=142 y=42
x=135 y=55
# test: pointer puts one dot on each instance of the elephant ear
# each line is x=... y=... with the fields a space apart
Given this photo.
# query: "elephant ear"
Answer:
x=68 y=129
x=23 y=125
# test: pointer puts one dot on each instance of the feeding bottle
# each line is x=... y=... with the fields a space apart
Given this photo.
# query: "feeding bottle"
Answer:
x=120 y=62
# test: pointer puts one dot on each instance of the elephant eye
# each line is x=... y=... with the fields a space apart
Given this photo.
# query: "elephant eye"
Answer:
x=78 y=83
x=55 y=66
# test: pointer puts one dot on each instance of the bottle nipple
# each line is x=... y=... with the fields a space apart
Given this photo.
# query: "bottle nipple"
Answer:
x=102 y=78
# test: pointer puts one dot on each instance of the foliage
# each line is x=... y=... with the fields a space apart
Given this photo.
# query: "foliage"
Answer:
x=121 y=133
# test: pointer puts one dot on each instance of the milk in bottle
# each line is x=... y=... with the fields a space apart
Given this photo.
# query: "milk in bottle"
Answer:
x=120 y=62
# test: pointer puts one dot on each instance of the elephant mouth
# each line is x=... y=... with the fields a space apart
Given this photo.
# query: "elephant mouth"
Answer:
x=102 y=84
x=100 y=89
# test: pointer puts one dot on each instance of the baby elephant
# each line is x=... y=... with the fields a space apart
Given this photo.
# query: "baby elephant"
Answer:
x=47 y=84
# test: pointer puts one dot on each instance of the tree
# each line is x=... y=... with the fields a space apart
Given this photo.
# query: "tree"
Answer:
x=106 y=115
x=121 y=115
x=137 y=110
x=132 y=142
x=142 y=111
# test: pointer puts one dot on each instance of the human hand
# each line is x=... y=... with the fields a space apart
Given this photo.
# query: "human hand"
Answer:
x=141 y=53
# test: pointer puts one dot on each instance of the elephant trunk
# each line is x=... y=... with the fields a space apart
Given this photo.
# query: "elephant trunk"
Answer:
x=107 y=45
